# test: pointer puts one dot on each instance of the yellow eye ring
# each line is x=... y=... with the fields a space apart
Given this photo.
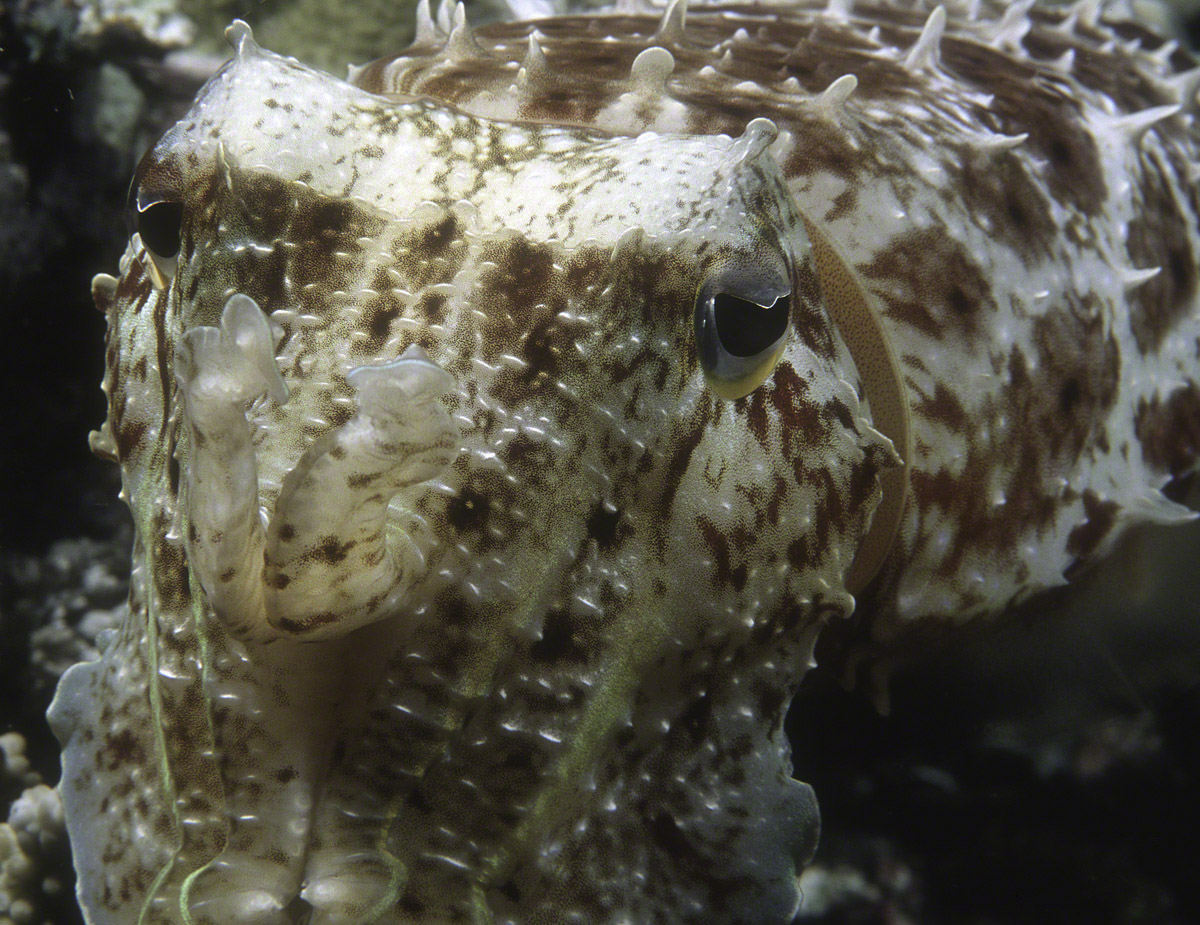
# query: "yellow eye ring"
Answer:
x=159 y=223
x=741 y=331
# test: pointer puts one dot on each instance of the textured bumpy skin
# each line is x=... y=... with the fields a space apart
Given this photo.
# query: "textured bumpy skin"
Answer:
x=478 y=556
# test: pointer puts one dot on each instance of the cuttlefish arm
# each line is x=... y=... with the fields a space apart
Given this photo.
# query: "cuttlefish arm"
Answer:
x=324 y=565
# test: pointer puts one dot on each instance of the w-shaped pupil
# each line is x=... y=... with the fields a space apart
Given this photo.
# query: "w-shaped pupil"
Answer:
x=747 y=329
x=159 y=225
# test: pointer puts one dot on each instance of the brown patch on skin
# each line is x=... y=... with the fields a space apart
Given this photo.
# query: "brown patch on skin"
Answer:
x=468 y=510
x=1169 y=430
x=1077 y=365
x=266 y=211
x=830 y=510
x=523 y=296
x=967 y=500
x=605 y=527
x=427 y=255
x=755 y=413
x=784 y=398
x=321 y=228
x=435 y=239
x=1159 y=236
x=526 y=298
x=128 y=437
x=772 y=701
x=331 y=551
x=929 y=281
x=779 y=493
x=718 y=545
x=810 y=319
x=842 y=205
x=841 y=413
x=480 y=511
x=170 y=572
x=431 y=308
x=864 y=481
x=559 y=641
x=1028 y=100
x=378 y=313
x=546 y=348
x=1012 y=200
x=620 y=371
x=1068 y=396
x=134 y=287
x=533 y=462
x=121 y=748
x=173 y=472
x=681 y=456
x=944 y=408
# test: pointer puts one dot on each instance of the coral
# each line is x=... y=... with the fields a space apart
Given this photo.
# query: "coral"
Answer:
x=16 y=765
x=33 y=830
x=30 y=840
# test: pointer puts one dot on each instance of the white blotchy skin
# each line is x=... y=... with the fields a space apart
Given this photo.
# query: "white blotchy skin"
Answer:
x=484 y=526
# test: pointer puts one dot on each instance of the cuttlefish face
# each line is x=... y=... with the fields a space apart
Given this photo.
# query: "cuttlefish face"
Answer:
x=492 y=482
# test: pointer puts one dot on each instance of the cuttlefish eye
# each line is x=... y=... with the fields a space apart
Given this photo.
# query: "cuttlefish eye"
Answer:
x=155 y=210
x=741 y=323
x=159 y=223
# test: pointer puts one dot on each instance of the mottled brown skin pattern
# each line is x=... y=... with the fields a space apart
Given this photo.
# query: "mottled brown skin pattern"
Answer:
x=1073 y=384
x=610 y=621
x=547 y=682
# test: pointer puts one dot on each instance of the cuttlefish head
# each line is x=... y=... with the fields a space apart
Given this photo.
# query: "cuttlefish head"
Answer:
x=566 y=410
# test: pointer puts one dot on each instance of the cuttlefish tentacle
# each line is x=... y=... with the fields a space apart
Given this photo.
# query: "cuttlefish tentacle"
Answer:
x=323 y=566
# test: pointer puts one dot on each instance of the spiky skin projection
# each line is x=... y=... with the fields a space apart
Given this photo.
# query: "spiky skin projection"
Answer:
x=475 y=569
